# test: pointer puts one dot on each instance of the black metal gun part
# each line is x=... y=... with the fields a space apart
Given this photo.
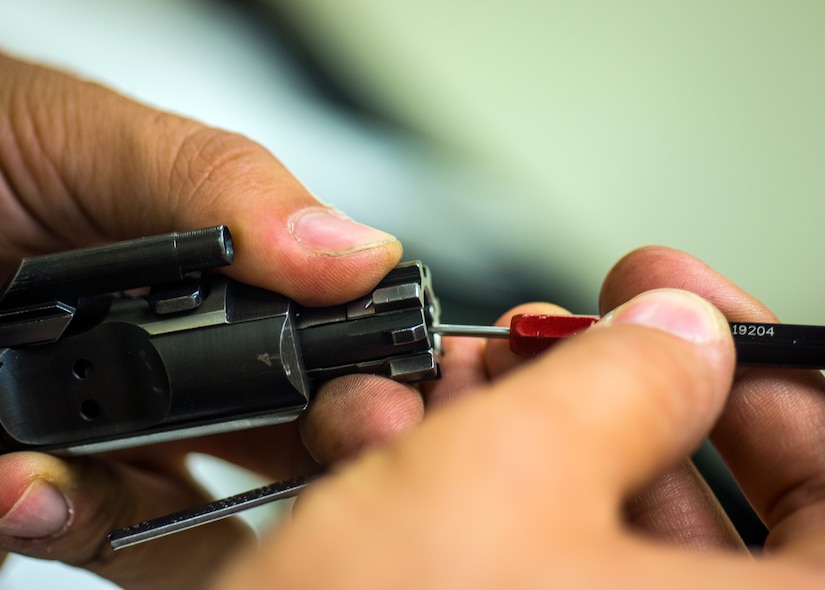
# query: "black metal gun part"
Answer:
x=86 y=367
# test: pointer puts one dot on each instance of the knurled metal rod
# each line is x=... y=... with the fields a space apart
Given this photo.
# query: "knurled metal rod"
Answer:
x=192 y=517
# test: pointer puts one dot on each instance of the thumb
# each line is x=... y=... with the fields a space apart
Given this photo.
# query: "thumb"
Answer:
x=642 y=388
x=610 y=410
x=85 y=165
x=546 y=456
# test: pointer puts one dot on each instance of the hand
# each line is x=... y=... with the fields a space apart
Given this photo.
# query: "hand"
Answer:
x=81 y=165
x=527 y=482
x=772 y=432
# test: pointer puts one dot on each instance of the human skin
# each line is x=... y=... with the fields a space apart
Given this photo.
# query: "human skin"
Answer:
x=772 y=431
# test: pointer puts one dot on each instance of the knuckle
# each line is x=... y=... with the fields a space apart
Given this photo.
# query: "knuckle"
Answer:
x=205 y=162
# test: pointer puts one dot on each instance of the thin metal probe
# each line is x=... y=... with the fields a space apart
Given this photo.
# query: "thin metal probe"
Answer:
x=220 y=509
x=471 y=331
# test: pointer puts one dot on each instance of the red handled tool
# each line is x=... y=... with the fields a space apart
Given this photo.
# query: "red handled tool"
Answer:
x=529 y=334
x=757 y=344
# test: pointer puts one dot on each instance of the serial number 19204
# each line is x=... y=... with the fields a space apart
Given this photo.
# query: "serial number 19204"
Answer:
x=751 y=330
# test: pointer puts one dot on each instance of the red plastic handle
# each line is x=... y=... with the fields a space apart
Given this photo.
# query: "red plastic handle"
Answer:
x=532 y=334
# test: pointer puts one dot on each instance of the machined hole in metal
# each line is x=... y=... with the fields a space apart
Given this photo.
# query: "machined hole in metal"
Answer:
x=82 y=369
x=89 y=410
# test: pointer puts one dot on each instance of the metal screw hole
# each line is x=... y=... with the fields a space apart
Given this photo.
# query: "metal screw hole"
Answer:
x=82 y=369
x=89 y=410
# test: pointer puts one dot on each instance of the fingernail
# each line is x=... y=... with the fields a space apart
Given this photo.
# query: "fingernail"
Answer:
x=680 y=313
x=329 y=231
x=42 y=511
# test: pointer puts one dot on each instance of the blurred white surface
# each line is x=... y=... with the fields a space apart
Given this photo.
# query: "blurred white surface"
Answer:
x=20 y=573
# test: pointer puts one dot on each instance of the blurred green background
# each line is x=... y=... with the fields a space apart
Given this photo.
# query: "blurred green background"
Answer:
x=698 y=125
